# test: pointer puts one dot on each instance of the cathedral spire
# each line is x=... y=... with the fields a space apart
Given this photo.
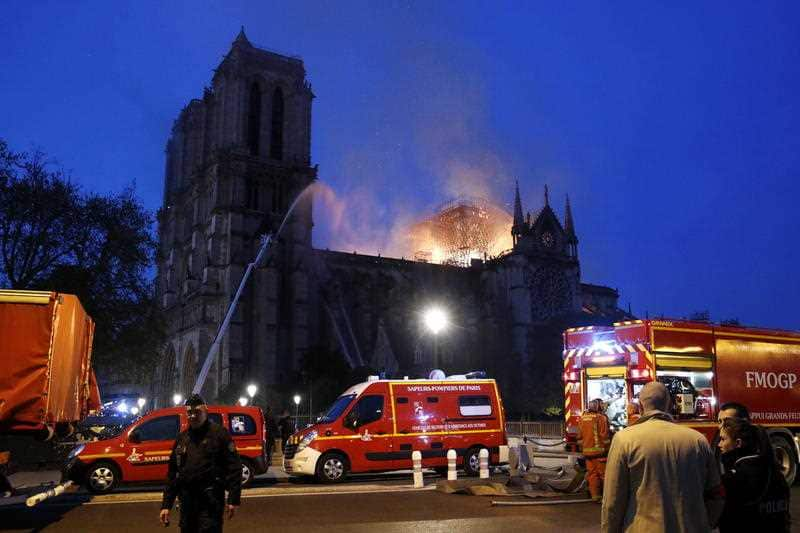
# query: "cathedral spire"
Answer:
x=519 y=222
x=241 y=38
x=546 y=196
x=569 y=224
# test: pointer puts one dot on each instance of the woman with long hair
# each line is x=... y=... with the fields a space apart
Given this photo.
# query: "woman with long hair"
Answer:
x=756 y=494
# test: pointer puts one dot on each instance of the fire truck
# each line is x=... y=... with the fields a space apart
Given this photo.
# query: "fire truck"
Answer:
x=702 y=365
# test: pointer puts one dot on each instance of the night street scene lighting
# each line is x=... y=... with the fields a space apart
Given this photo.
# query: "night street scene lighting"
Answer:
x=435 y=319
x=251 y=390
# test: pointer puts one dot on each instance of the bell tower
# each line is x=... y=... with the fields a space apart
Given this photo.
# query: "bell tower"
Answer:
x=235 y=161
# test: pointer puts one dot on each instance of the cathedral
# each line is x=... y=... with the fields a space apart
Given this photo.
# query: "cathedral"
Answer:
x=236 y=160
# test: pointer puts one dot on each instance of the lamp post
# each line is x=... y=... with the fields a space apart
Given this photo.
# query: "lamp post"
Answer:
x=296 y=410
x=140 y=404
x=435 y=320
x=251 y=391
x=242 y=401
x=177 y=398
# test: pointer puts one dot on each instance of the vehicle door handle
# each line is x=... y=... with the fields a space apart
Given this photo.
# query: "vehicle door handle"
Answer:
x=403 y=431
x=381 y=433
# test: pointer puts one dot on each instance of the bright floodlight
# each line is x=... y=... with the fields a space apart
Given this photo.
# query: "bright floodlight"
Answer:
x=122 y=407
x=242 y=401
x=177 y=398
x=435 y=320
x=251 y=390
x=134 y=410
x=297 y=399
x=140 y=402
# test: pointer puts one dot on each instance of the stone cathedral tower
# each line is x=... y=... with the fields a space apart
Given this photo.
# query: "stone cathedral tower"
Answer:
x=235 y=159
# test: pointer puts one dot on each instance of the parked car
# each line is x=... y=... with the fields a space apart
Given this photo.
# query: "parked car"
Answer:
x=140 y=453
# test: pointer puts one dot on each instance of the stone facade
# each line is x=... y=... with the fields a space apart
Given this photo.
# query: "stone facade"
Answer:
x=234 y=161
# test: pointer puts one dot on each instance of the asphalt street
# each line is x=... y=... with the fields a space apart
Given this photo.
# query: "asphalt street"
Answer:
x=382 y=503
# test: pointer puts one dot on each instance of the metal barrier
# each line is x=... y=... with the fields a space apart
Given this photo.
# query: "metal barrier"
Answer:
x=541 y=430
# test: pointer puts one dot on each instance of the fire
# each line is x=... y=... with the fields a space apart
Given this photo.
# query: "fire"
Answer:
x=460 y=231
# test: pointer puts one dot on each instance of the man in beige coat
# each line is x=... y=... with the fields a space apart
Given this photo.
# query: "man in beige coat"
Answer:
x=660 y=476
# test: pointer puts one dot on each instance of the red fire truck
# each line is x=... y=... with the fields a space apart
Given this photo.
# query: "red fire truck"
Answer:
x=703 y=366
x=376 y=425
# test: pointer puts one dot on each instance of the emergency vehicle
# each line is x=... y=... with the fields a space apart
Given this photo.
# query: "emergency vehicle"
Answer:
x=140 y=453
x=376 y=425
x=703 y=366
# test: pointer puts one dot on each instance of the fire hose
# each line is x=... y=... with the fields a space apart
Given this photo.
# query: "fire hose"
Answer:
x=501 y=503
x=42 y=496
x=526 y=440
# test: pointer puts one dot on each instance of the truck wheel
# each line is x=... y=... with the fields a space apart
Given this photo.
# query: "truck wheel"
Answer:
x=248 y=473
x=102 y=477
x=784 y=453
x=332 y=468
x=472 y=462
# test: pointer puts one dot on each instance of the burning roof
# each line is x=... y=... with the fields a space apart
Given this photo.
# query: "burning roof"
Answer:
x=461 y=230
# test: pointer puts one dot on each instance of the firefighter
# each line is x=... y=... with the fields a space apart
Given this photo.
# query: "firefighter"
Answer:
x=595 y=439
x=203 y=464
x=634 y=410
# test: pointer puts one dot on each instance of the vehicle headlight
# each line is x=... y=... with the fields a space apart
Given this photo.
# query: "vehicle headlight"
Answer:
x=76 y=450
x=305 y=441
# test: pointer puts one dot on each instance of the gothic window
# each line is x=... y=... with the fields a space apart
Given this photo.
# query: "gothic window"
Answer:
x=254 y=119
x=276 y=138
x=550 y=292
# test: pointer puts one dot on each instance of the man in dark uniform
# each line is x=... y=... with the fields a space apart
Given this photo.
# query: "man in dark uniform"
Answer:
x=203 y=465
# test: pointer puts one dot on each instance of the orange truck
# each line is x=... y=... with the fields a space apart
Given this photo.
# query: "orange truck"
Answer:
x=703 y=366
x=47 y=383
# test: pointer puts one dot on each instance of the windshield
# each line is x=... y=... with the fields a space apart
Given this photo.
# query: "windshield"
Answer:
x=105 y=426
x=335 y=410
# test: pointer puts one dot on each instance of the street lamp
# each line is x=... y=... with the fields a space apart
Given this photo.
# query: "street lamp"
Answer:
x=435 y=320
x=251 y=391
x=140 y=403
x=242 y=401
x=296 y=410
x=134 y=410
x=177 y=398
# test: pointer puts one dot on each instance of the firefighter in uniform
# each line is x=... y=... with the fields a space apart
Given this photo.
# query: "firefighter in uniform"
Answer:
x=595 y=439
x=202 y=466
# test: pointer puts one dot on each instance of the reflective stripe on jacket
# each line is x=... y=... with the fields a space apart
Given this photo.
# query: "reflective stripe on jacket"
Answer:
x=595 y=435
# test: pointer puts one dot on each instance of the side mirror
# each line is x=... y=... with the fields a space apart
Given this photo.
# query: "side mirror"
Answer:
x=134 y=437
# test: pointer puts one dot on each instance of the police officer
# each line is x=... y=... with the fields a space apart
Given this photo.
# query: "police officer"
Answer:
x=202 y=466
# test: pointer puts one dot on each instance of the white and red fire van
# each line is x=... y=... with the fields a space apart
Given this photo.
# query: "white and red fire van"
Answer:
x=376 y=425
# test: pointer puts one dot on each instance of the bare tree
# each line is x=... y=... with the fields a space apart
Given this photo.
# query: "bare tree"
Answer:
x=53 y=236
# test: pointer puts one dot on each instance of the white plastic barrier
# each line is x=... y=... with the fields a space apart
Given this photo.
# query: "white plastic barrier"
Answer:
x=451 y=465
x=483 y=455
x=416 y=458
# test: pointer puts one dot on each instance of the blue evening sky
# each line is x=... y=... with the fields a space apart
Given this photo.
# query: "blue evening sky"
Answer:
x=674 y=127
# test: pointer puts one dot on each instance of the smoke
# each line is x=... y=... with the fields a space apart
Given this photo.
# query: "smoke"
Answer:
x=428 y=140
